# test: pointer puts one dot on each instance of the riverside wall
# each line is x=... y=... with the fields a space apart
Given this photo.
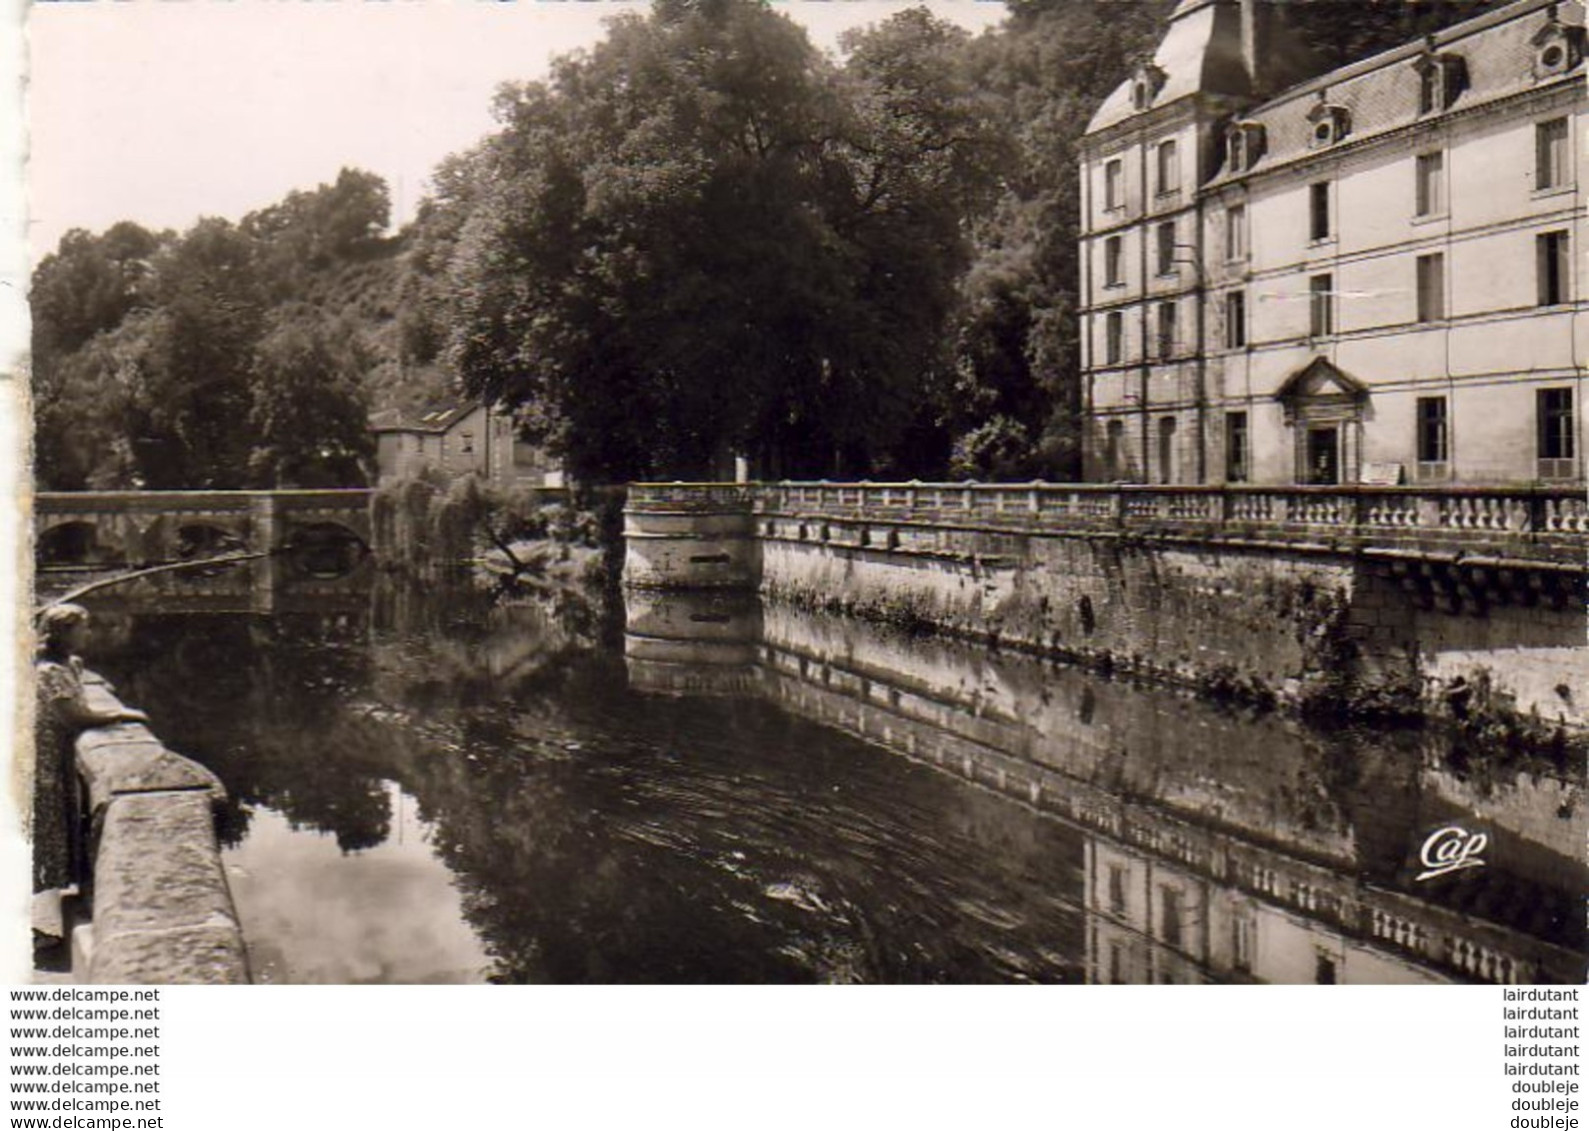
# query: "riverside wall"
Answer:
x=1362 y=599
x=162 y=910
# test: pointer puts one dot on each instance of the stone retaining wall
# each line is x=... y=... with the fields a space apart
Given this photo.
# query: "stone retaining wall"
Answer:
x=1234 y=618
x=163 y=913
x=1353 y=600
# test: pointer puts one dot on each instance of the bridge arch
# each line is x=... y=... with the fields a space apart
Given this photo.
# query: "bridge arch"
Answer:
x=323 y=550
x=202 y=537
x=76 y=541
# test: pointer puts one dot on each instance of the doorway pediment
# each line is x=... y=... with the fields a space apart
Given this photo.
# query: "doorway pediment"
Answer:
x=1320 y=380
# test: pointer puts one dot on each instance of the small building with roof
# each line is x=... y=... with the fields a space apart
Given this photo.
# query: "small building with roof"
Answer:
x=1361 y=275
x=459 y=439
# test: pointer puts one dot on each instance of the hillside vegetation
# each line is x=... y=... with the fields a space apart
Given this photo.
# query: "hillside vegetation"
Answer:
x=699 y=237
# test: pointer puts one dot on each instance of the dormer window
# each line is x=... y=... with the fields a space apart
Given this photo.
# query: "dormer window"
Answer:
x=1244 y=145
x=1558 y=47
x=1145 y=85
x=1441 y=77
x=1328 y=123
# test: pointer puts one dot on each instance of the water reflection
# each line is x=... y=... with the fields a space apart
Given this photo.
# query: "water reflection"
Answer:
x=314 y=913
x=439 y=784
x=1218 y=844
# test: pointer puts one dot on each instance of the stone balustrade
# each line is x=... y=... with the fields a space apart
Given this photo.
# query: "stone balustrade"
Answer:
x=1539 y=524
x=162 y=911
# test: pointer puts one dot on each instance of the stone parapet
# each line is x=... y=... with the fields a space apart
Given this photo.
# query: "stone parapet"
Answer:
x=163 y=913
x=1506 y=525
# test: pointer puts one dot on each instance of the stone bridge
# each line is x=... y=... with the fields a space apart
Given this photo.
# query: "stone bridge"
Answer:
x=139 y=528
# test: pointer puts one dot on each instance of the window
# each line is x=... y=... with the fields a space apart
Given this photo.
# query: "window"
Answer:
x=1319 y=211
x=1556 y=428
x=1433 y=437
x=1243 y=930
x=1323 y=451
x=1166 y=335
x=1551 y=251
x=1165 y=248
x=1167 y=449
x=466 y=445
x=1169 y=168
x=1440 y=79
x=1113 y=262
x=1114 y=174
x=1558 y=48
x=1324 y=969
x=1117 y=889
x=1431 y=287
x=1431 y=184
x=1145 y=85
x=1236 y=232
x=1236 y=445
x=1550 y=154
x=1114 y=338
x=1170 y=916
x=1330 y=124
x=1235 y=320
x=1321 y=293
x=1244 y=145
x=1429 y=93
x=1114 y=436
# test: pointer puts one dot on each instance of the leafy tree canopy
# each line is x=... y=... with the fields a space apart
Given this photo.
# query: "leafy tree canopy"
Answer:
x=701 y=236
x=192 y=361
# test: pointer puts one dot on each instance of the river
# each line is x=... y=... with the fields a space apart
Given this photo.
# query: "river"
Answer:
x=436 y=784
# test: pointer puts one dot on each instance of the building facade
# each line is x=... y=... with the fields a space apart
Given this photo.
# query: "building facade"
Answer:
x=1368 y=275
x=459 y=440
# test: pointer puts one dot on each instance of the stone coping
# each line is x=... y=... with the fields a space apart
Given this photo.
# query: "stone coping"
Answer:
x=163 y=913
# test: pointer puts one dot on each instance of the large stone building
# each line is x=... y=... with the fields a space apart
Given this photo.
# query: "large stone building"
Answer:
x=1365 y=275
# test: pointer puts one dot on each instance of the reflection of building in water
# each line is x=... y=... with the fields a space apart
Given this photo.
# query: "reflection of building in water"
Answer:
x=1150 y=921
x=1219 y=845
x=697 y=643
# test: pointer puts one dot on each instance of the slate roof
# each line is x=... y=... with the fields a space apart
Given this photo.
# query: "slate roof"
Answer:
x=1381 y=93
x=435 y=418
x=1200 y=53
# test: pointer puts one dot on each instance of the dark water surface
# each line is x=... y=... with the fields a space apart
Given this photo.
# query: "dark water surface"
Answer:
x=442 y=787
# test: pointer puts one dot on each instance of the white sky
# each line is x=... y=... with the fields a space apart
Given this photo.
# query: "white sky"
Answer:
x=162 y=112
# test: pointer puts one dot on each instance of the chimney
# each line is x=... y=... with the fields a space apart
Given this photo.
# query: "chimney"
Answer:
x=1251 y=45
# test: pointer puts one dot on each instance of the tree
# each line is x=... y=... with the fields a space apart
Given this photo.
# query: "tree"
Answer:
x=312 y=230
x=1374 y=25
x=309 y=418
x=86 y=286
x=80 y=296
x=191 y=370
x=1013 y=405
x=85 y=411
x=699 y=237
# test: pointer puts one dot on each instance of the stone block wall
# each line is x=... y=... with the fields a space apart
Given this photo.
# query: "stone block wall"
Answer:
x=1240 y=618
x=1177 y=610
x=163 y=913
